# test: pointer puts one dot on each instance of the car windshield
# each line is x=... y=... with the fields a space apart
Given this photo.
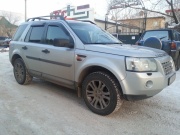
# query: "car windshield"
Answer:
x=162 y=35
x=91 y=34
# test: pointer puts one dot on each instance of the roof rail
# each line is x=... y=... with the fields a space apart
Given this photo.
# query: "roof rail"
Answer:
x=45 y=18
x=87 y=21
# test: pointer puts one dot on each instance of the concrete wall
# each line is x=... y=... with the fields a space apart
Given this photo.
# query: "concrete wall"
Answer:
x=151 y=23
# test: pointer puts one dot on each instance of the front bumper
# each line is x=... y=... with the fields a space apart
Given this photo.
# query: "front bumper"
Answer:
x=138 y=86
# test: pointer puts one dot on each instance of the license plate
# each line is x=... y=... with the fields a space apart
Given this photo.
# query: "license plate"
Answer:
x=171 y=79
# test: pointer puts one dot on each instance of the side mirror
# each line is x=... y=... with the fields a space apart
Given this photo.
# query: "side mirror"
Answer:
x=63 y=43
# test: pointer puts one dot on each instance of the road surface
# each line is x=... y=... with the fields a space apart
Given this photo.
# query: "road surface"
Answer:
x=43 y=108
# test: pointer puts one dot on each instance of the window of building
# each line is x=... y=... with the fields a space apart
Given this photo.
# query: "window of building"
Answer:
x=155 y=24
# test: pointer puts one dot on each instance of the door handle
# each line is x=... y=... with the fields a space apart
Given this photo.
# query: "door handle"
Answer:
x=46 y=51
x=24 y=48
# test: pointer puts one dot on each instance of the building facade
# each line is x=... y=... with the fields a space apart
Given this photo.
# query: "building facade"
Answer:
x=151 y=23
x=113 y=27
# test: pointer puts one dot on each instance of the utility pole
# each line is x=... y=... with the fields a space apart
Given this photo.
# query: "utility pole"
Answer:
x=145 y=16
x=106 y=21
x=25 y=11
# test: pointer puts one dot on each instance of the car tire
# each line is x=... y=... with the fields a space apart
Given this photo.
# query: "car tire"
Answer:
x=101 y=93
x=20 y=72
x=178 y=63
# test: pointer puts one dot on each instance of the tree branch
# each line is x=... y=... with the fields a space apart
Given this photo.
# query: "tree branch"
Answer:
x=151 y=11
x=168 y=2
x=172 y=9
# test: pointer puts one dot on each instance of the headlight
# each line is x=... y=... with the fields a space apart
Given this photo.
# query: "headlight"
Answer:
x=140 y=64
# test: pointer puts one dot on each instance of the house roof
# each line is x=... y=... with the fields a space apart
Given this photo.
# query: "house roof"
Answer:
x=5 y=22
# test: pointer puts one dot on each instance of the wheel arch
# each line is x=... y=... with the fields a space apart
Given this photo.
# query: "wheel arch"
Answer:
x=15 y=56
x=88 y=70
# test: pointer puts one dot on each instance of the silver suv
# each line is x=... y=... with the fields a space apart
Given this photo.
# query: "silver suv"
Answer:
x=81 y=56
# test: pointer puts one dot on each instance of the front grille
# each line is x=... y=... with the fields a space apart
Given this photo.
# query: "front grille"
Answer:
x=167 y=66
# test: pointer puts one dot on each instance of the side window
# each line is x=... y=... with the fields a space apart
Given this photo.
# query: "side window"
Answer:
x=19 y=32
x=56 y=32
x=176 y=36
x=36 y=34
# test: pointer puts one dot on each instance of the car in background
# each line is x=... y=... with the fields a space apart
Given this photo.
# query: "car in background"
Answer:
x=6 y=42
x=170 y=40
x=2 y=40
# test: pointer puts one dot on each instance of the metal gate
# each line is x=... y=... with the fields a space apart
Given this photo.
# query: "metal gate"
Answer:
x=128 y=39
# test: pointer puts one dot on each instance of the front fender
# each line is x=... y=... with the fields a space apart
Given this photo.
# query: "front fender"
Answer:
x=115 y=66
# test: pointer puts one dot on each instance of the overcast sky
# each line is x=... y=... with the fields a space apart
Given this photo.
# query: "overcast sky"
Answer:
x=44 y=7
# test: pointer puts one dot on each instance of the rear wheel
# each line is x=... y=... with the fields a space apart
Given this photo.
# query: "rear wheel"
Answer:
x=20 y=72
x=178 y=63
x=101 y=93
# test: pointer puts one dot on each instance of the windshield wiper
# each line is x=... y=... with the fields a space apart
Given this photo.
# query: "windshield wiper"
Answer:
x=162 y=37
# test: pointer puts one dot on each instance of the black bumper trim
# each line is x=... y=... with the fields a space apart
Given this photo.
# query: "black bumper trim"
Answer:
x=135 y=97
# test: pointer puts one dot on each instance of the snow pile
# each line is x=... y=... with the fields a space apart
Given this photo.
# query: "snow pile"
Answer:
x=4 y=49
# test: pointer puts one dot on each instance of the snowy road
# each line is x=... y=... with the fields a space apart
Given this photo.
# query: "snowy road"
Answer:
x=43 y=108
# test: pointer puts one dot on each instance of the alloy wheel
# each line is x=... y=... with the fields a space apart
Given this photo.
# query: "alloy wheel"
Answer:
x=98 y=94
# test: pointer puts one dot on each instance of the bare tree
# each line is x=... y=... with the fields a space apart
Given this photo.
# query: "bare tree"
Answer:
x=9 y=24
x=120 y=12
x=156 y=6
x=171 y=4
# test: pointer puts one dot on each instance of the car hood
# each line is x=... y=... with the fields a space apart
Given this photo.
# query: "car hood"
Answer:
x=126 y=50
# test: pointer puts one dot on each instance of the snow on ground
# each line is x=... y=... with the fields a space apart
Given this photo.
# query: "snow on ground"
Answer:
x=4 y=49
x=43 y=108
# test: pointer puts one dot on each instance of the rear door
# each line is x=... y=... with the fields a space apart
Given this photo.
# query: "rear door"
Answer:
x=176 y=37
x=57 y=62
x=176 y=40
x=32 y=48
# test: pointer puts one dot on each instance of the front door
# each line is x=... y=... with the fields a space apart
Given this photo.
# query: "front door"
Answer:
x=57 y=62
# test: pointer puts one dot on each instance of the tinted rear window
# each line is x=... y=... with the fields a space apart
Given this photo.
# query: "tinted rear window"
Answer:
x=163 y=35
x=19 y=32
x=36 y=34
x=3 y=38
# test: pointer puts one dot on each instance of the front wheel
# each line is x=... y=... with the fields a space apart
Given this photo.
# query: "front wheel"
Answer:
x=178 y=63
x=20 y=72
x=101 y=93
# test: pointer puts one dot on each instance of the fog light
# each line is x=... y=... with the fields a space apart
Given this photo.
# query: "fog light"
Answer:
x=149 y=84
